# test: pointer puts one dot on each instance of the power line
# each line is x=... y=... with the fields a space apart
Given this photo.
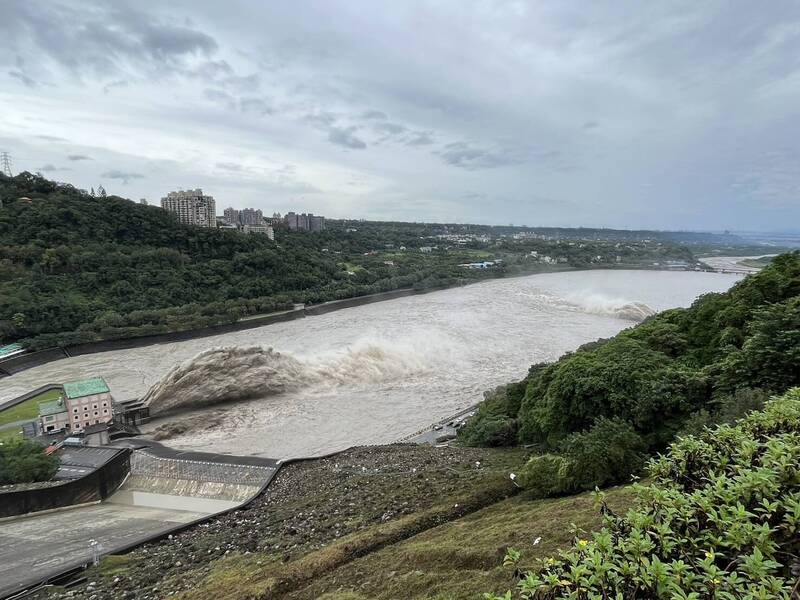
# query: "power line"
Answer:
x=5 y=161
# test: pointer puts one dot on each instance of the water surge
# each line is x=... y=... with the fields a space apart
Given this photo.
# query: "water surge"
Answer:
x=233 y=373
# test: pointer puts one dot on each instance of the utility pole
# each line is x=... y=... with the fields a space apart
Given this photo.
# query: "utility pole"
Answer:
x=5 y=164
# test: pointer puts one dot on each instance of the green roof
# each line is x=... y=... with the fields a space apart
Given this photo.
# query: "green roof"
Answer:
x=85 y=387
x=51 y=408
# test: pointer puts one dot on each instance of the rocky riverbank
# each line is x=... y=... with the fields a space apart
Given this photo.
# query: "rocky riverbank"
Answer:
x=310 y=506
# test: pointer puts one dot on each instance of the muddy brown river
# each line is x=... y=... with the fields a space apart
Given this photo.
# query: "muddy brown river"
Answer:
x=373 y=373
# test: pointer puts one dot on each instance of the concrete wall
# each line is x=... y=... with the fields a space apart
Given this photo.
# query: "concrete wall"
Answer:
x=21 y=362
x=97 y=485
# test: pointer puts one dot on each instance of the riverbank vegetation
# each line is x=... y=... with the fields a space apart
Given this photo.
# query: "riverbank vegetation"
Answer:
x=76 y=268
x=596 y=413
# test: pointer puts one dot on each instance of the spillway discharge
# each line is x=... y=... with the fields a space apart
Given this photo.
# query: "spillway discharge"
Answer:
x=233 y=373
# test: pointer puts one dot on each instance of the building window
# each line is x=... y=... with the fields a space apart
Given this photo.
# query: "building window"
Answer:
x=75 y=409
x=105 y=411
x=95 y=406
x=76 y=417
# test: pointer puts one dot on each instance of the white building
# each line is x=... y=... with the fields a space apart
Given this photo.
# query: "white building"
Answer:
x=262 y=229
x=191 y=207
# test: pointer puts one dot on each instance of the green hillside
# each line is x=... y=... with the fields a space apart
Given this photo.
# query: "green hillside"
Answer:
x=605 y=406
x=77 y=268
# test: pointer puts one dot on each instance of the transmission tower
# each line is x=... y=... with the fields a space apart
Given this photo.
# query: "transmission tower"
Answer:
x=5 y=163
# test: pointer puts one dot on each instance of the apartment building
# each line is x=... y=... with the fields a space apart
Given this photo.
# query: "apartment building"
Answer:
x=192 y=207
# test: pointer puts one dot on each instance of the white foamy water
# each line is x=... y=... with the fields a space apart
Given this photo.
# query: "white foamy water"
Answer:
x=373 y=373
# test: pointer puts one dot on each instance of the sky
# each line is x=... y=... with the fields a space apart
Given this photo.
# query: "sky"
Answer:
x=664 y=115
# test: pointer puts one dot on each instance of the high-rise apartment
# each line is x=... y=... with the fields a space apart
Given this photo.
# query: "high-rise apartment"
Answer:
x=191 y=207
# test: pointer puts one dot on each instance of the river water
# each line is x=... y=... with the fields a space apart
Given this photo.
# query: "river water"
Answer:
x=373 y=373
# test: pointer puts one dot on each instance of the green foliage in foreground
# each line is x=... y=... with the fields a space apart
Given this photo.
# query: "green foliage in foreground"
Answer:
x=24 y=461
x=721 y=519
x=661 y=374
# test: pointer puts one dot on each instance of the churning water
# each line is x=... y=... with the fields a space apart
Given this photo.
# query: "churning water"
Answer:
x=373 y=373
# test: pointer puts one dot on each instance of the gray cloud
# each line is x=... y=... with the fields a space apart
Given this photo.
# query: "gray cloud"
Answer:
x=106 y=39
x=51 y=168
x=670 y=113
x=76 y=157
x=28 y=81
x=420 y=138
x=374 y=114
x=346 y=137
x=471 y=157
x=123 y=176
x=390 y=128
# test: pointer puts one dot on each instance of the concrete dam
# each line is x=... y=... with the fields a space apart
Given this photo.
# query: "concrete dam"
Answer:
x=164 y=491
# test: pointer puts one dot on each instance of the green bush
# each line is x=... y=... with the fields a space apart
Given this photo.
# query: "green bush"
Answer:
x=493 y=427
x=546 y=475
x=24 y=461
x=721 y=520
x=608 y=453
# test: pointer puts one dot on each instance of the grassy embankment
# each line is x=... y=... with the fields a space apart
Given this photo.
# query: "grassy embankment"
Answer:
x=25 y=411
x=414 y=558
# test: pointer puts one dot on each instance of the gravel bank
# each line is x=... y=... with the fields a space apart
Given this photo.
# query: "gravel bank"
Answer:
x=308 y=506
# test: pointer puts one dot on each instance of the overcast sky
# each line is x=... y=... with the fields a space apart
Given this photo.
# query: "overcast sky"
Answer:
x=623 y=114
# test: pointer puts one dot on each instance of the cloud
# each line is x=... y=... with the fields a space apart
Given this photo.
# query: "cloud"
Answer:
x=471 y=157
x=25 y=79
x=106 y=39
x=230 y=166
x=123 y=176
x=346 y=137
x=374 y=114
x=390 y=128
x=505 y=100
x=120 y=83
x=77 y=157
x=255 y=105
x=50 y=168
x=420 y=138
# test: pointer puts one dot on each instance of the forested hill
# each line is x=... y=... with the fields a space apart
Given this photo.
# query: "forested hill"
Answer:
x=603 y=407
x=76 y=268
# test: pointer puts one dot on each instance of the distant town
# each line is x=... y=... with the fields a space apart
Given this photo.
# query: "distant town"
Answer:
x=193 y=207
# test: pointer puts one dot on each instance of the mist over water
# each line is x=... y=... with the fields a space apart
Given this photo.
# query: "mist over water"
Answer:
x=373 y=373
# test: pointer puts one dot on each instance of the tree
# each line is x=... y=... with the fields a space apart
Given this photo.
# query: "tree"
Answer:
x=24 y=461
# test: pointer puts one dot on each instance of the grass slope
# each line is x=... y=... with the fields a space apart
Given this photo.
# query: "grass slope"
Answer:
x=462 y=559
x=27 y=410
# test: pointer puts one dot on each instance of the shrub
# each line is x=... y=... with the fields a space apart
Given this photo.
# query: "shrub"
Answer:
x=24 y=461
x=720 y=520
x=608 y=453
